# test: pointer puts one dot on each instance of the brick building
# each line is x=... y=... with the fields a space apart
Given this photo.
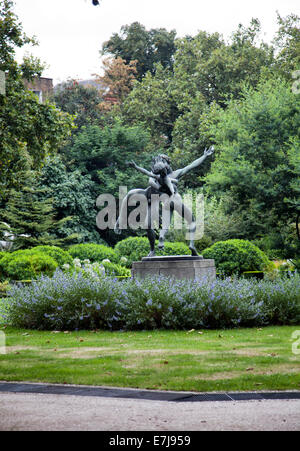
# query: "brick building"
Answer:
x=41 y=86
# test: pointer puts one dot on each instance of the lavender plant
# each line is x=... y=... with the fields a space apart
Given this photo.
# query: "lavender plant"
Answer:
x=69 y=301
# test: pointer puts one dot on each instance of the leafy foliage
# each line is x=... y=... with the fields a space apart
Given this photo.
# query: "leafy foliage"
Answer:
x=80 y=101
x=116 y=270
x=134 y=248
x=147 y=47
x=206 y=66
x=26 y=265
x=29 y=268
x=73 y=196
x=151 y=103
x=28 y=130
x=180 y=105
x=61 y=256
x=31 y=221
x=257 y=158
x=98 y=160
x=118 y=79
x=287 y=42
x=103 y=155
x=237 y=256
x=93 y=252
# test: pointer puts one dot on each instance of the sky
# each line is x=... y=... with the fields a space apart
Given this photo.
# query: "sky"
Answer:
x=71 y=32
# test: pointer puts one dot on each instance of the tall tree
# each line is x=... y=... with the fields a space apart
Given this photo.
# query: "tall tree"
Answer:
x=134 y=42
x=257 y=162
x=118 y=80
x=102 y=155
x=206 y=65
x=81 y=101
x=32 y=220
x=287 y=44
x=73 y=195
x=28 y=130
x=151 y=103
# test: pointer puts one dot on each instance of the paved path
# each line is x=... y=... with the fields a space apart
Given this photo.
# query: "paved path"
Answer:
x=35 y=411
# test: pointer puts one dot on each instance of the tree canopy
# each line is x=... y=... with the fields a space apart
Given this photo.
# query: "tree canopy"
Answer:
x=83 y=102
x=134 y=42
x=257 y=163
x=29 y=130
x=162 y=94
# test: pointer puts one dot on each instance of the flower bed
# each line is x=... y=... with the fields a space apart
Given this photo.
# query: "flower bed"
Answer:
x=77 y=301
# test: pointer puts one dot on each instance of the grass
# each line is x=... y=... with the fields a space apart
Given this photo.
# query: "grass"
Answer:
x=234 y=360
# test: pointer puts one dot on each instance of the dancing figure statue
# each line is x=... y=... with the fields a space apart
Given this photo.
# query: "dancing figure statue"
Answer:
x=163 y=180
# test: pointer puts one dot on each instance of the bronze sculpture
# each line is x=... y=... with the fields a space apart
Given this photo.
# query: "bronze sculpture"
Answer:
x=163 y=181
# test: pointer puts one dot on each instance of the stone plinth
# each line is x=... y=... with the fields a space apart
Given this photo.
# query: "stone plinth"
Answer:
x=177 y=266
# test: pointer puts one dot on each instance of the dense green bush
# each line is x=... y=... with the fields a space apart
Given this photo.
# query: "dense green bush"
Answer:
x=93 y=252
x=59 y=255
x=237 y=256
x=69 y=301
x=25 y=265
x=204 y=243
x=135 y=248
x=46 y=260
x=175 y=249
x=113 y=269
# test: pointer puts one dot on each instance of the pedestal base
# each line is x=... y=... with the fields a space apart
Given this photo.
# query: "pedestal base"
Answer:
x=177 y=266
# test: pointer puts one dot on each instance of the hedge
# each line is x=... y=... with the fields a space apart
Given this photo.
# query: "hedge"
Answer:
x=22 y=265
x=94 y=252
x=237 y=256
x=135 y=248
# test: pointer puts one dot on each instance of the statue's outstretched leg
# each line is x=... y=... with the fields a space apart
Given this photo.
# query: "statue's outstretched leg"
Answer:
x=150 y=233
x=186 y=213
x=192 y=231
x=167 y=214
x=117 y=227
x=151 y=237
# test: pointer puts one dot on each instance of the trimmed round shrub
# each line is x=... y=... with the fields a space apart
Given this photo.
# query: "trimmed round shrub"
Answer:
x=174 y=249
x=93 y=252
x=23 y=265
x=59 y=255
x=135 y=248
x=237 y=256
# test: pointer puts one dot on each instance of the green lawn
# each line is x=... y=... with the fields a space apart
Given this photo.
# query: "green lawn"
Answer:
x=241 y=359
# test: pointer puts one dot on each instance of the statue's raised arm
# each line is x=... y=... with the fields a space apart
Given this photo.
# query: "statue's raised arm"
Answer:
x=180 y=172
x=143 y=171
